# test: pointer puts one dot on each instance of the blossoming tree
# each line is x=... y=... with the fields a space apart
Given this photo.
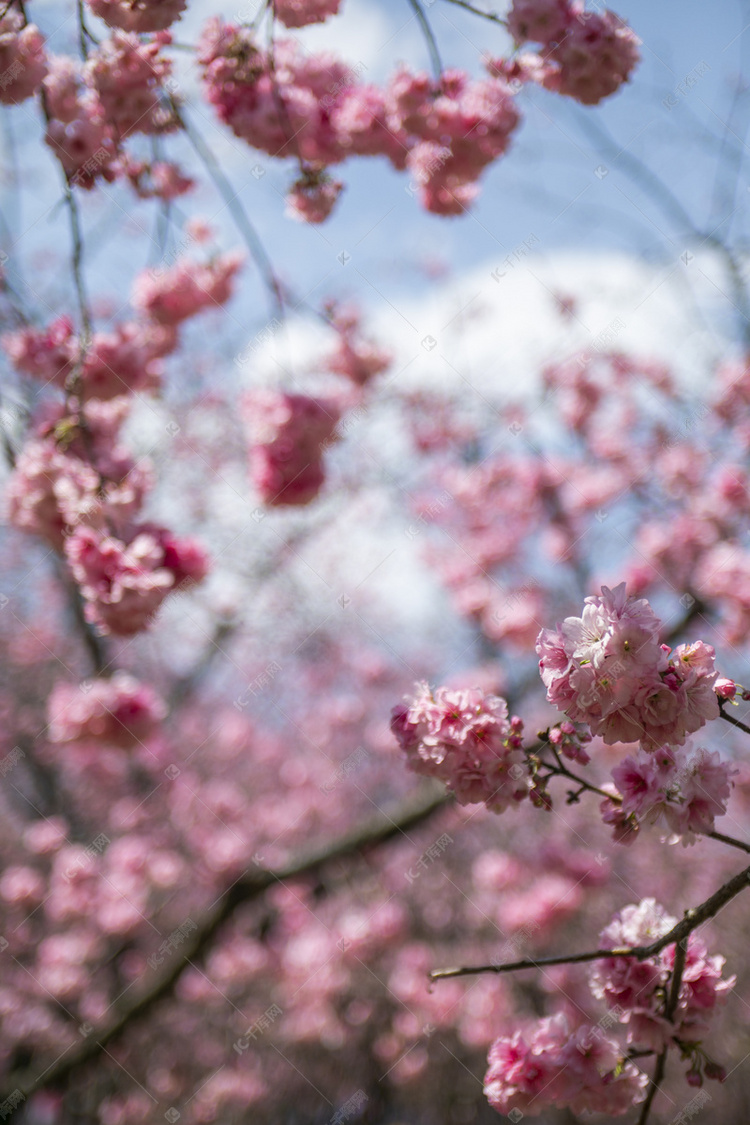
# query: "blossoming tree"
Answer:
x=218 y=902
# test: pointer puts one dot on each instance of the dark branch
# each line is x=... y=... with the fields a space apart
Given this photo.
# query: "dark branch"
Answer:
x=252 y=885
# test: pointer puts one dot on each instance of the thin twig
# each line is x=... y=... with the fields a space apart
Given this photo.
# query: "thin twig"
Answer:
x=731 y=719
x=430 y=40
x=656 y=1080
x=690 y=921
x=478 y=12
x=730 y=840
x=640 y=173
x=237 y=211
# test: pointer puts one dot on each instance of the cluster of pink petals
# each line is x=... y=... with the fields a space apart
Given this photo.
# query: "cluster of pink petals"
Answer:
x=77 y=129
x=124 y=582
x=159 y=179
x=92 y=107
x=287 y=434
x=446 y=133
x=312 y=107
x=119 y=711
x=126 y=360
x=607 y=668
x=53 y=490
x=453 y=132
x=47 y=354
x=354 y=357
x=551 y=1066
x=119 y=362
x=636 y=988
x=23 y=63
x=77 y=487
x=172 y=295
x=300 y=13
x=127 y=75
x=681 y=789
x=138 y=15
x=312 y=197
x=466 y=740
x=586 y=56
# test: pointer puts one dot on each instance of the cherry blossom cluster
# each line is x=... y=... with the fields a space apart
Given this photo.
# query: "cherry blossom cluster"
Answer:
x=636 y=990
x=313 y=196
x=23 y=63
x=91 y=108
x=570 y=741
x=585 y=55
x=607 y=668
x=355 y=358
x=61 y=481
x=466 y=740
x=288 y=433
x=138 y=15
x=585 y=1068
x=77 y=129
x=127 y=76
x=119 y=711
x=680 y=789
x=445 y=131
x=300 y=13
x=125 y=581
x=127 y=358
x=169 y=296
x=124 y=360
x=550 y=1065
x=76 y=487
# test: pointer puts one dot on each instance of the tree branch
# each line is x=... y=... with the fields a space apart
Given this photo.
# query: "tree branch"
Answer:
x=731 y=719
x=478 y=12
x=386 y=826
x=690 y=921
x=656 y=1080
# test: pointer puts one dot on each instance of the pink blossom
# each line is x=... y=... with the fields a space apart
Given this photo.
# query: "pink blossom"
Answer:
x=551 y=1066
x=172 y=295
x=138 y=15
x=125 y=582
x=593 y=59
x=287 y=434
x=465 y=739
x=46 y=354
x=23 y=64
x=683 y=790
x=299 y=13
x=354 y=358
x=541 y=21
x=635 y=989
x=606 y=668
x=120 y=711
x=312 y=197
x=127 y=76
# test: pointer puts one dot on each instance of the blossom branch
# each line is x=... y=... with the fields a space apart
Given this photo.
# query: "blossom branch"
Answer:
x=380 y=829
x=655 y=1082
x=669 y=1010
x=690 y=921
